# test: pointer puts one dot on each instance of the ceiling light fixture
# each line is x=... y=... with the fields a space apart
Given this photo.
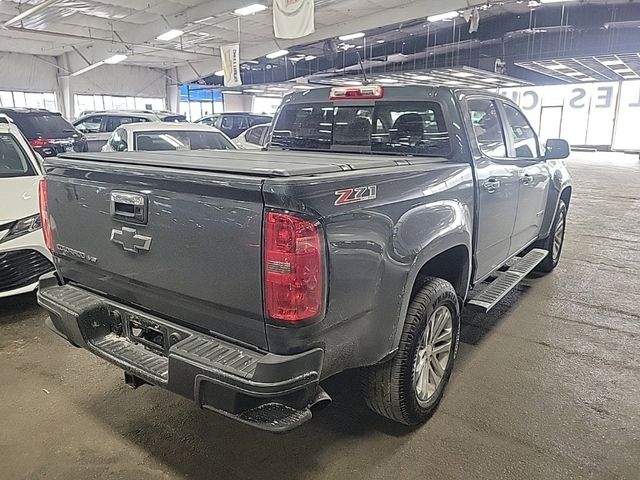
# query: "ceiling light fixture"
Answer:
x=380 y=41
x=555 y=67
x=443 y=16
x=308 y=58
x=387 y=80
x=219 y=73
x=170 y=35
x=279 y=53
x=423 y=77
x=117 y=58
x=463 y=74
x=250 y=9
x=351 y=36
x=86 y=69
x=612 y=62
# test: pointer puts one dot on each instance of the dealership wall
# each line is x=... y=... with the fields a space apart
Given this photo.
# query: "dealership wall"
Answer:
x=602 y=115
x=31 y=73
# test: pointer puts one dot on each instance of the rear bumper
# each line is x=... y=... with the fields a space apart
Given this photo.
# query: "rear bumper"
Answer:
x=267 y=391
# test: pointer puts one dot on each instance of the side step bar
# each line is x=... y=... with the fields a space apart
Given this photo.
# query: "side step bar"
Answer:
x=505 y=281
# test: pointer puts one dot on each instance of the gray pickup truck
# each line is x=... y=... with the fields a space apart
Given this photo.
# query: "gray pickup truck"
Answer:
x=242 y=279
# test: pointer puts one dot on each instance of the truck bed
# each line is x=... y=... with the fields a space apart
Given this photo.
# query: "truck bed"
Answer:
x=273 y=163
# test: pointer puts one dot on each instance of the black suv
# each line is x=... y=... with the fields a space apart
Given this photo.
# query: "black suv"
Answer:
x=48 y=132
x=234 y=123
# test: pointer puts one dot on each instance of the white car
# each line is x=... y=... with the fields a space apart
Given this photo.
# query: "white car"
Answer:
x=23 y=254
x=158 y=136
x=254 y=138
x=98 y=126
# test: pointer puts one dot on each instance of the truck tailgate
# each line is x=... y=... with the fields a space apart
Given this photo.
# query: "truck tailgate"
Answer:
x=183 y=244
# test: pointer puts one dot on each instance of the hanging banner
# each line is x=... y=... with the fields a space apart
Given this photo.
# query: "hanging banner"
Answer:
x=293 y=18
x=230 y=55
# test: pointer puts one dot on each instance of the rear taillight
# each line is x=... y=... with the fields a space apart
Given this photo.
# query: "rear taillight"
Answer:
x=44 y=214
x=39 y=142
x=294 y=282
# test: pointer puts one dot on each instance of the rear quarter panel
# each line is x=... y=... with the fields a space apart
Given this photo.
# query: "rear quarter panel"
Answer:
x=375 y=249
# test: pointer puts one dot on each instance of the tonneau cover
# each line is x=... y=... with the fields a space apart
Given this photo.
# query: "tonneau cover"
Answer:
x=273 y=163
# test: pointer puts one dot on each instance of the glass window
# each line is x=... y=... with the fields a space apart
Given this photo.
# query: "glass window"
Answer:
x=487 y=127
x=45 y=124
x=118 y=140
x=254 y=135
x=13 y=160
x=181 y=140
x=114 y=122
x=525 y=141
x=6 y=99
x=405 y=128
x=89 y=125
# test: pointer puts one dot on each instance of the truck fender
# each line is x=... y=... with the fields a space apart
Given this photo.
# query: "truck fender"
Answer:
x=457 y=232
x=560 y=183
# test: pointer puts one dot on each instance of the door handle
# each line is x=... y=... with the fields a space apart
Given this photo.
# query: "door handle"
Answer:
x=491 y=185
x=526 y=179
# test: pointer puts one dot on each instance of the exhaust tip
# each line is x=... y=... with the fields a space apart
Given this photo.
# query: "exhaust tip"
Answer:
x=320 y=400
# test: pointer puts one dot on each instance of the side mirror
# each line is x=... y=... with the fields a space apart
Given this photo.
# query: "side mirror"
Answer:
x=121 y=147
x=556 y=149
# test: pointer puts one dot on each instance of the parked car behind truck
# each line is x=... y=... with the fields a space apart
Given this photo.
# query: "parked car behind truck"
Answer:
x=242 y=279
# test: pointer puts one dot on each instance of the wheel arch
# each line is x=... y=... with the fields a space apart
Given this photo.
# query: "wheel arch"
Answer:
x=452 y=264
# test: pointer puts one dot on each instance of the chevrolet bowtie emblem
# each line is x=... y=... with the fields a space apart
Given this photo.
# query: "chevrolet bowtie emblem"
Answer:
x=130 y=240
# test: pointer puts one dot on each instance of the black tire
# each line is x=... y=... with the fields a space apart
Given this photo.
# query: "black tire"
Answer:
x=551 y=261
x=388 y=388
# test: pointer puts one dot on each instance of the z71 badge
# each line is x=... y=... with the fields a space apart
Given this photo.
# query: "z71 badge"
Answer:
x=356 y=194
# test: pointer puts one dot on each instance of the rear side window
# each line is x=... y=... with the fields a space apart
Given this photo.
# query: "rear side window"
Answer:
x=115 y=122
x=89 y=125
x=487 y=127
x=255 y=135
x=408 y=128
x=13 y=160
x=525 y=141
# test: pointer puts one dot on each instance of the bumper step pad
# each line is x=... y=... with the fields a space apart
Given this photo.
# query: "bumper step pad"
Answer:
x=487 y=298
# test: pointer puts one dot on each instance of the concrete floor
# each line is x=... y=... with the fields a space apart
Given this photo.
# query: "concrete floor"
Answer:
x=545 y=386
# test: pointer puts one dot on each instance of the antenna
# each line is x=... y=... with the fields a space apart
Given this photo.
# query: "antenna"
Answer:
x=364 y=73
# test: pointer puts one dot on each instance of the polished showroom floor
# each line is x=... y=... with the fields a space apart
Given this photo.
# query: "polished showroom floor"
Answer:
x=546 y=386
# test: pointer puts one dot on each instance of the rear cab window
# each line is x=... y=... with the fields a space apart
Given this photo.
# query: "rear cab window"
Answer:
x=14 y=161
x=385 y=126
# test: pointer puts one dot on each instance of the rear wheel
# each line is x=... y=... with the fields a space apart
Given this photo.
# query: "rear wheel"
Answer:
x=408 y=387
x=554 y=242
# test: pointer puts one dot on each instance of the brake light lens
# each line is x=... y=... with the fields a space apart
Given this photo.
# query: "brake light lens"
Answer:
x=39 y=142
x=44 y=214
x=355 y=93
x=294 y=281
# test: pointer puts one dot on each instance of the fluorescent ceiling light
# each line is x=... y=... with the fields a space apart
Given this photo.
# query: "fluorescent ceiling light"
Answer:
x=170 y=35
x=250 y=9
x=279 y=53
x=117 y=58
x=308 y=58
x=613 y=62
x=86 y=69
x=379 y=41
x=555 y=67
x=351 y=36
x=576 y=74
x=443 y=16
x=422 y=77
x=387 y=80
x=219 y=73
x=353 y=83
x=624 y=70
